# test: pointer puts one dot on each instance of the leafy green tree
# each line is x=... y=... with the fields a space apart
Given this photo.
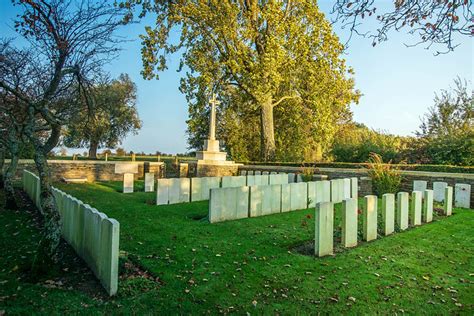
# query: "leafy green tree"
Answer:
x=447 y=130
x=261 y=55
x=112 y=118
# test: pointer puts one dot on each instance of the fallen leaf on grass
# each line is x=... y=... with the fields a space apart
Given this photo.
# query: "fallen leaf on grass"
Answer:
x=427 y=278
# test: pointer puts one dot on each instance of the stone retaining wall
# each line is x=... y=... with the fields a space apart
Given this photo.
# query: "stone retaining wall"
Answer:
x=90 y=169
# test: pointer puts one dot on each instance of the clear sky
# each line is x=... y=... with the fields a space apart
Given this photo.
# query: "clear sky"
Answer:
x=398 y=83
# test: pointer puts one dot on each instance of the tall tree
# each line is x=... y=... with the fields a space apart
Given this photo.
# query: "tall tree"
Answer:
x=273 y=52
x=109 y=121
x=431 y=21
x=67 y=43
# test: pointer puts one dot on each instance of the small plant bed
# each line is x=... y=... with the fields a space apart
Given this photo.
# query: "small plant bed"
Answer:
x=251 y=266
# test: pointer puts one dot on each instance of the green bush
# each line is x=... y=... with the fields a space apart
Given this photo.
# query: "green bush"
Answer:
x=385 y=179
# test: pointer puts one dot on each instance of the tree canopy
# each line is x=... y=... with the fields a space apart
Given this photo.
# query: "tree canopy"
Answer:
x=264 y=58
x=109 y=121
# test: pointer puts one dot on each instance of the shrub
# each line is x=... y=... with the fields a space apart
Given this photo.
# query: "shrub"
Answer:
x=385 y=179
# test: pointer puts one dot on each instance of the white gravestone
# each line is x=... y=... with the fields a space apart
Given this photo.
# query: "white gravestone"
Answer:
x=402 y=210
x=349 y=223
x=462 y=195
x=128 y=183
x=323 y=191
x=420 y=185
x=291 y=177
x=438 y=191
x=200 y=187
x=265 y=200
x=369 y=218
x=299 y=196
x=427 y=215
x=388 y=213
x=285 y=197
x=354 y=188
x=149 y=182
x=228 y=204
x=234 y=181
x=448 y=201
x=324 y=227
x=415 y=209
x=346 y=189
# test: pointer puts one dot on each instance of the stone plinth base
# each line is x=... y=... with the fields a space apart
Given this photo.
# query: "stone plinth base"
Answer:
x=211 y=156
x=216 y=169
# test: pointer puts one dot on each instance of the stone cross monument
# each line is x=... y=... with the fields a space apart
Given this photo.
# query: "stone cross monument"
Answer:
x=211 y=153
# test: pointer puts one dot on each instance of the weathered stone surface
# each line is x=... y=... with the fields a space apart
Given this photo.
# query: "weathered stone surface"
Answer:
x=126 y=167
x=448 y=201
x=285 y=198
x=233 y=182
x=336 y=191
x=228 y=204
x=402 y=210
x=265 y=173
x=265 y=200
x=346 y=188
x=324 y=227
x=323 y=191
x=173 y=190
x=415 y=209
x=462 y=195
x=420 y=185
x=291 y=177
x=369 y=218
x=200 y=187
x=242 y=172
x=438 y=191
x=109 y=245
x=299 y=196
x=257 y=172
x=149 y=182
x=388 y=213
x=349 y=222
x=128 y=183
x=354 y=188
x=278 y=178
x=427 y=214
x=299 y=178
x=257 y=180
x=311 y=194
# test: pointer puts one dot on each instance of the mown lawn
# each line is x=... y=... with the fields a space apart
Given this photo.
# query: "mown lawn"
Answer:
x=246 y=266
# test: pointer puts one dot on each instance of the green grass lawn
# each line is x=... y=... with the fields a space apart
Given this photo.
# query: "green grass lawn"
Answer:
x=250 y=265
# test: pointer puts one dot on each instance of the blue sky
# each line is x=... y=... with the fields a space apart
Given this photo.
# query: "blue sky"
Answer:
x=398 y=83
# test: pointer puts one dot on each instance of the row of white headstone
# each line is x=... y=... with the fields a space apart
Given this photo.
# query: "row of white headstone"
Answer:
x=251 y=201
x=129 y=181
x=184 y=190
x=399 y=214
x=93 y=235
x=462 y=192
x=292 y=177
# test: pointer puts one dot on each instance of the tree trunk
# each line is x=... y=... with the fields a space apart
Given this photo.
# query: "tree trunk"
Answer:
x=267 y=130
x=10 y=202
x=94 y=145
x=51 y=234
x=2 y=164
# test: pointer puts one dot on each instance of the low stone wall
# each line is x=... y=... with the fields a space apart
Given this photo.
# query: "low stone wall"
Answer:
x=90 y=169
x=204 y=170
x=365 y=183
x=93 y=235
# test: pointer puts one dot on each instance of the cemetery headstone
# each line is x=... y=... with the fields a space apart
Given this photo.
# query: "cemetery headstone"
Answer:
x=265 y=200
x=128 y=183
x=402 y=210
x=369 y=218
x=346 y=188
x=324 y=225
x=349 y=222
x=336 y=191
x=200 y=187
x=427 y=214
x=388 y=213
x=415 y=209
x=233 y=181
x=311 y=194
x=462 y=195
x=228 y=204
x=265 y=173
x=438 y=191
x=354 y=188
x=299 y=196
x=323 y=191
x=420 y=185
x=285 y=197
x=299 y=177
x=448 y=201
x=257 y=172
x=291 y=177
x=149 y=182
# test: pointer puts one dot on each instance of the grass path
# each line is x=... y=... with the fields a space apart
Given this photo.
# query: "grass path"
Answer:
x=251 y=266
